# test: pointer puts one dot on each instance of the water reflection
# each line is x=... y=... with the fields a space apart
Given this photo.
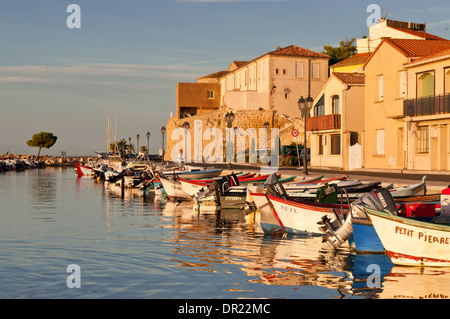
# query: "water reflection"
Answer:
x=230 y=244
x=42 y=188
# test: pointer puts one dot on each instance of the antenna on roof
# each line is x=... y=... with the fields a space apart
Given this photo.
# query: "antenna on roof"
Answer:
x=385 y=13
x=445 y=34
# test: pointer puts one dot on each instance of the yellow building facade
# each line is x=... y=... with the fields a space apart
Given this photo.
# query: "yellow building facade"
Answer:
x=386 y=89
x=427 y=113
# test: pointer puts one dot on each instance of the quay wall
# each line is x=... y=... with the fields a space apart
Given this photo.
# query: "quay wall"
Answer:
x=244 y=119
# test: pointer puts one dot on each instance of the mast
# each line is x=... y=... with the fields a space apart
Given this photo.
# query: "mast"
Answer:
x=108 y=138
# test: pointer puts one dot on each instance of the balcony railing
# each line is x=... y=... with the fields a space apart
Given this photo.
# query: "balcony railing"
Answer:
x=324 y=122
x=431 y=105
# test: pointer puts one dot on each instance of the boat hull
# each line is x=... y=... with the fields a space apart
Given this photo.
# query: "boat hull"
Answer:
x=268 y=220
x=174 y=190
x=298 y=218
x=410 y=242
x=83 y=170
x=365 y=238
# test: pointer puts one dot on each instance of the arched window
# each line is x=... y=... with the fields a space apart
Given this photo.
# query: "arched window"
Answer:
x=425 y=85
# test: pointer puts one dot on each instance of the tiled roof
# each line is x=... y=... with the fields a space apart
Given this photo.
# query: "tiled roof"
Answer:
x=215 y=75
x=294 y=50
x=418 y=48
x=359 y=58
x=445 y=54
x=413 y=48
x=420 y=34
x=351 y=78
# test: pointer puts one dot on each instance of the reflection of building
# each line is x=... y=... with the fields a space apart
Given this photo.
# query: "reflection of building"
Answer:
x=427 y=112
x=273 y=81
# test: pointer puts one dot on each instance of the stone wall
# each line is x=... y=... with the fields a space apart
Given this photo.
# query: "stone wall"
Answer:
x=243 y=119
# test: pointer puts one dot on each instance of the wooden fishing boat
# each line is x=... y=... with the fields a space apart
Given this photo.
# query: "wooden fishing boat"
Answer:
x=174 y=190
x=300 y=217
x=364 y=236
x=210 y=180
x=319 y=181
x=268 y=221
x=197 y=174
x=83 y=170
x=410 y=242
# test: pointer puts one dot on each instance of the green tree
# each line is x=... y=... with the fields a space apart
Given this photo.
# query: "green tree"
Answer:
x=42 y=139
x=345 y=50
x=144 y=149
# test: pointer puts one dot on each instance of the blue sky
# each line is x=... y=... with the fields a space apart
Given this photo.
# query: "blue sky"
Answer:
x=128 y=56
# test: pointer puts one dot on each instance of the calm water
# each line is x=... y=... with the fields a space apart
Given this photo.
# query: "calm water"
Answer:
x=131 y=246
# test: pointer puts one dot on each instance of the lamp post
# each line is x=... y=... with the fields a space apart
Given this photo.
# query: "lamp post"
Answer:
x=229 y=118
x=186 y=128
x=129 y=146
x=137 y=147
x=304 y=107
x=163 y=131
x=148 y=142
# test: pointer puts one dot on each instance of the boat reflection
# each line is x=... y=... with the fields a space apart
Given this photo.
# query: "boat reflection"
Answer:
x=230 y=241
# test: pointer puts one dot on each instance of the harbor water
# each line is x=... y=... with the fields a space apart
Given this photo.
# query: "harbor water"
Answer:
x=126 y=244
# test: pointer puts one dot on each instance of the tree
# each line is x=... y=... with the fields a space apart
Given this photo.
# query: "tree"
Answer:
x=42 y=139
x=345 y=50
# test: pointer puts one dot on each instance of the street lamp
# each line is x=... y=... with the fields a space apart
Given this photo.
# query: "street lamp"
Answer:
x=163 y=131
x=186 y=128
x=148 y=142
x=304 y=107
x=129 y=146
x=229 y=118
x=137 y=147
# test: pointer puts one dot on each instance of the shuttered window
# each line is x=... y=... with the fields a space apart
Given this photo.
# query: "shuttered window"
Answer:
x=380 y=142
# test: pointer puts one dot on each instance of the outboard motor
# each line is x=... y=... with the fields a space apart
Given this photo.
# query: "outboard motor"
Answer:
x=378 y=199
x=277 y=189
x=337 y=230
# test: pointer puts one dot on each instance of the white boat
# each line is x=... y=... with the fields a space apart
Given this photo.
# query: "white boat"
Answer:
x=267 y=219
x=300 y=217
x=83 y=170
x=410 y=242
x=174 y=190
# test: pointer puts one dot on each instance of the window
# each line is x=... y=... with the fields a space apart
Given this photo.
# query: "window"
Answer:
x=321 y=139
x=285 y=96
x=403 y=84
x=335 y=144
x=299 y=69
x=276 y=71
x=425 y=85
x=380 y=95
x=210 y=94
x=423 y=133
x=284 y=71
x=447 y=82
x=335 y=104
x=315 y=70
x=319 y=108
x=380 y=142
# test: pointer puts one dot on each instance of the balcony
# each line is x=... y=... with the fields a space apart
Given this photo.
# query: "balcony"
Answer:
x=432 y=105
x=324 y=122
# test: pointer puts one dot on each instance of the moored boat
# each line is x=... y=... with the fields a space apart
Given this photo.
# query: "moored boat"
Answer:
x=174 y=189
x=83 y=170
x=410 y=242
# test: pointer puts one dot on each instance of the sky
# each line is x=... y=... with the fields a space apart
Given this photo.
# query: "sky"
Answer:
x=127 y=57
